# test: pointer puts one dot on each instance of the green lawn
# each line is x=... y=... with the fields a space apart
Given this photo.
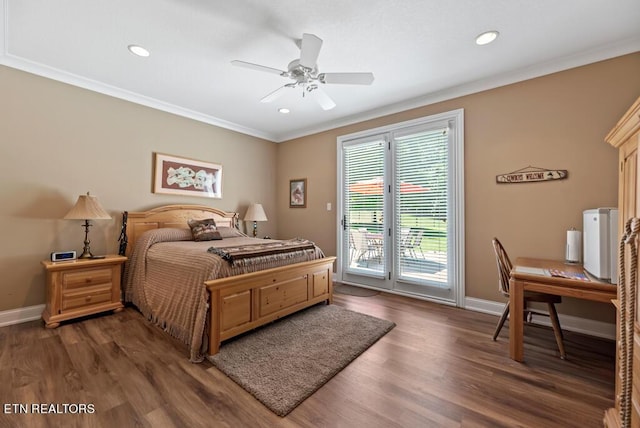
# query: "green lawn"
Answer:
x=434 y=236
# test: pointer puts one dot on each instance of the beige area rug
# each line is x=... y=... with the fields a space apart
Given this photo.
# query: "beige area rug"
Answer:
x=285 y=362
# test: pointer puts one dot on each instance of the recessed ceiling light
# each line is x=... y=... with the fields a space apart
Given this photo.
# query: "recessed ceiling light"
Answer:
x=138 y=50
x=284 y=110
x=486 y=37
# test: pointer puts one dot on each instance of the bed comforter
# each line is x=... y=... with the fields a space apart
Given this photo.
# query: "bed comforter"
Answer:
x=165 y=277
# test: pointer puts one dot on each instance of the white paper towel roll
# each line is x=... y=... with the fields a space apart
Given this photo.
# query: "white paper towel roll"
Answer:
x=574 y=240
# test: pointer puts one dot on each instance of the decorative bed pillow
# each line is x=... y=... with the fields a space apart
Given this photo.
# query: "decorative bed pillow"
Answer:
x=230 y=232
x=166 y=234
x=204 y=230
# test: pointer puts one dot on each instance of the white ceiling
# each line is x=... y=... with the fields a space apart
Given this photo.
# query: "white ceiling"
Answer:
x=420 y=51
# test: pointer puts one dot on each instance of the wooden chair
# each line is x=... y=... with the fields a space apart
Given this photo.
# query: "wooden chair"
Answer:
x=504 y=273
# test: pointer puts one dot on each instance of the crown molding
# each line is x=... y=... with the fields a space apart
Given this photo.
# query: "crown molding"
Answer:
x=602 y=53
x=42 y=70
x=556 y=65
x=102 y=88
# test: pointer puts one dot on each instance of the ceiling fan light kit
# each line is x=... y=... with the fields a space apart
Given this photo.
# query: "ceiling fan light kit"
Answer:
x=304 y=73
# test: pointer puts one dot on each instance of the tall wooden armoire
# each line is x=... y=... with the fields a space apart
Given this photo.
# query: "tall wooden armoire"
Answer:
x=625 y=136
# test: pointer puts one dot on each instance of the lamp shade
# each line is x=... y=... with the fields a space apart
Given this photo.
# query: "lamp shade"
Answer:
x=255 y=213
x=87 y=207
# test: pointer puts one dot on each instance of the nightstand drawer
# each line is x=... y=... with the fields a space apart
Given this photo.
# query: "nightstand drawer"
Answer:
x=86 y=297
x=86 y=277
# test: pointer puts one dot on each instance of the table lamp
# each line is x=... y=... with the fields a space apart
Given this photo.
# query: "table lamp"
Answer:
x=87 y=208
x=255 y=213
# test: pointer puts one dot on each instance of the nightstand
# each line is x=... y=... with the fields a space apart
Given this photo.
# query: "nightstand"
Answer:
x=82 y=287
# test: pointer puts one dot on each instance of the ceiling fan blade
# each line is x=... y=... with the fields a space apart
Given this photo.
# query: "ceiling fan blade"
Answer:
x=276 y=94
x=347 y=78
x=323 y=99
x=258 y=67
x=309 y=50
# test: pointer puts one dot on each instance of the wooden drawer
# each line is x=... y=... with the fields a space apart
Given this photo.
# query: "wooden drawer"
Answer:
x=281 y=295
x=236 y=310
x=320 y=283
x=86 y=297
x=86 y=277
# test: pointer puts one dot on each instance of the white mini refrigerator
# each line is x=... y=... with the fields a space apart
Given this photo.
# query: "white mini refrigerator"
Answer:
x=600 y=243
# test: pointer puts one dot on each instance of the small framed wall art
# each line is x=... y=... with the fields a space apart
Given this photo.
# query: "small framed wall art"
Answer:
x=298 y=193
x=181 y=176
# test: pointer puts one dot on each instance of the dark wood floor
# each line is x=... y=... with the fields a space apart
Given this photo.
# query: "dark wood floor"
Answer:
x=437 y=368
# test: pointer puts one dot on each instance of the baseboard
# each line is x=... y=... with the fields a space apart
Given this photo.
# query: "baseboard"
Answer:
x=19 y=315
x=579 y=325
x=568 y=322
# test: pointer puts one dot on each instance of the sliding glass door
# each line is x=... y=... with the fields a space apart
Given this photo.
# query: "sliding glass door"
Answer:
x=401 y=220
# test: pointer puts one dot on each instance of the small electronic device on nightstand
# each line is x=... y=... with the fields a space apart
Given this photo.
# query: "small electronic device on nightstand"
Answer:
x=63 y=256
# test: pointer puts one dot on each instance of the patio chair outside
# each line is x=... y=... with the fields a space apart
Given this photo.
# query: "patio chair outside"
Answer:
x=363 y=250
x=410 y=242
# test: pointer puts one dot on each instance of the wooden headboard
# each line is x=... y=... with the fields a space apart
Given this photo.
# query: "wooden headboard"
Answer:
x=173 y=216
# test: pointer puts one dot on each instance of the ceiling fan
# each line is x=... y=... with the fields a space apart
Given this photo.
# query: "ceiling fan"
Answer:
x=304 y=73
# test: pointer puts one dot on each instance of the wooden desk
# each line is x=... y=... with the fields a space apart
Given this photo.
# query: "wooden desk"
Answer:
x=521 y=281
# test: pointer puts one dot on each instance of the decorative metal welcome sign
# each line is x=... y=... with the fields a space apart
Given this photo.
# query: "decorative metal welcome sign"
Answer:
x=529 y=174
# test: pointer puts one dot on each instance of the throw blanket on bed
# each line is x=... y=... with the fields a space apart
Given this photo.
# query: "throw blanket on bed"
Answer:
x=251 y=254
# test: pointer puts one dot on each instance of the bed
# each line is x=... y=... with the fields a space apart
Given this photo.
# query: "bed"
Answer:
x=202 y=298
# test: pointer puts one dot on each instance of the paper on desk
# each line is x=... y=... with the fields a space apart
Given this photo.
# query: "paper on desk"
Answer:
x=532 y=270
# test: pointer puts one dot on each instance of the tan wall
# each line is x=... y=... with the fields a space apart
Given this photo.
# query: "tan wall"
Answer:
x=557 y=121
x=58 y=141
